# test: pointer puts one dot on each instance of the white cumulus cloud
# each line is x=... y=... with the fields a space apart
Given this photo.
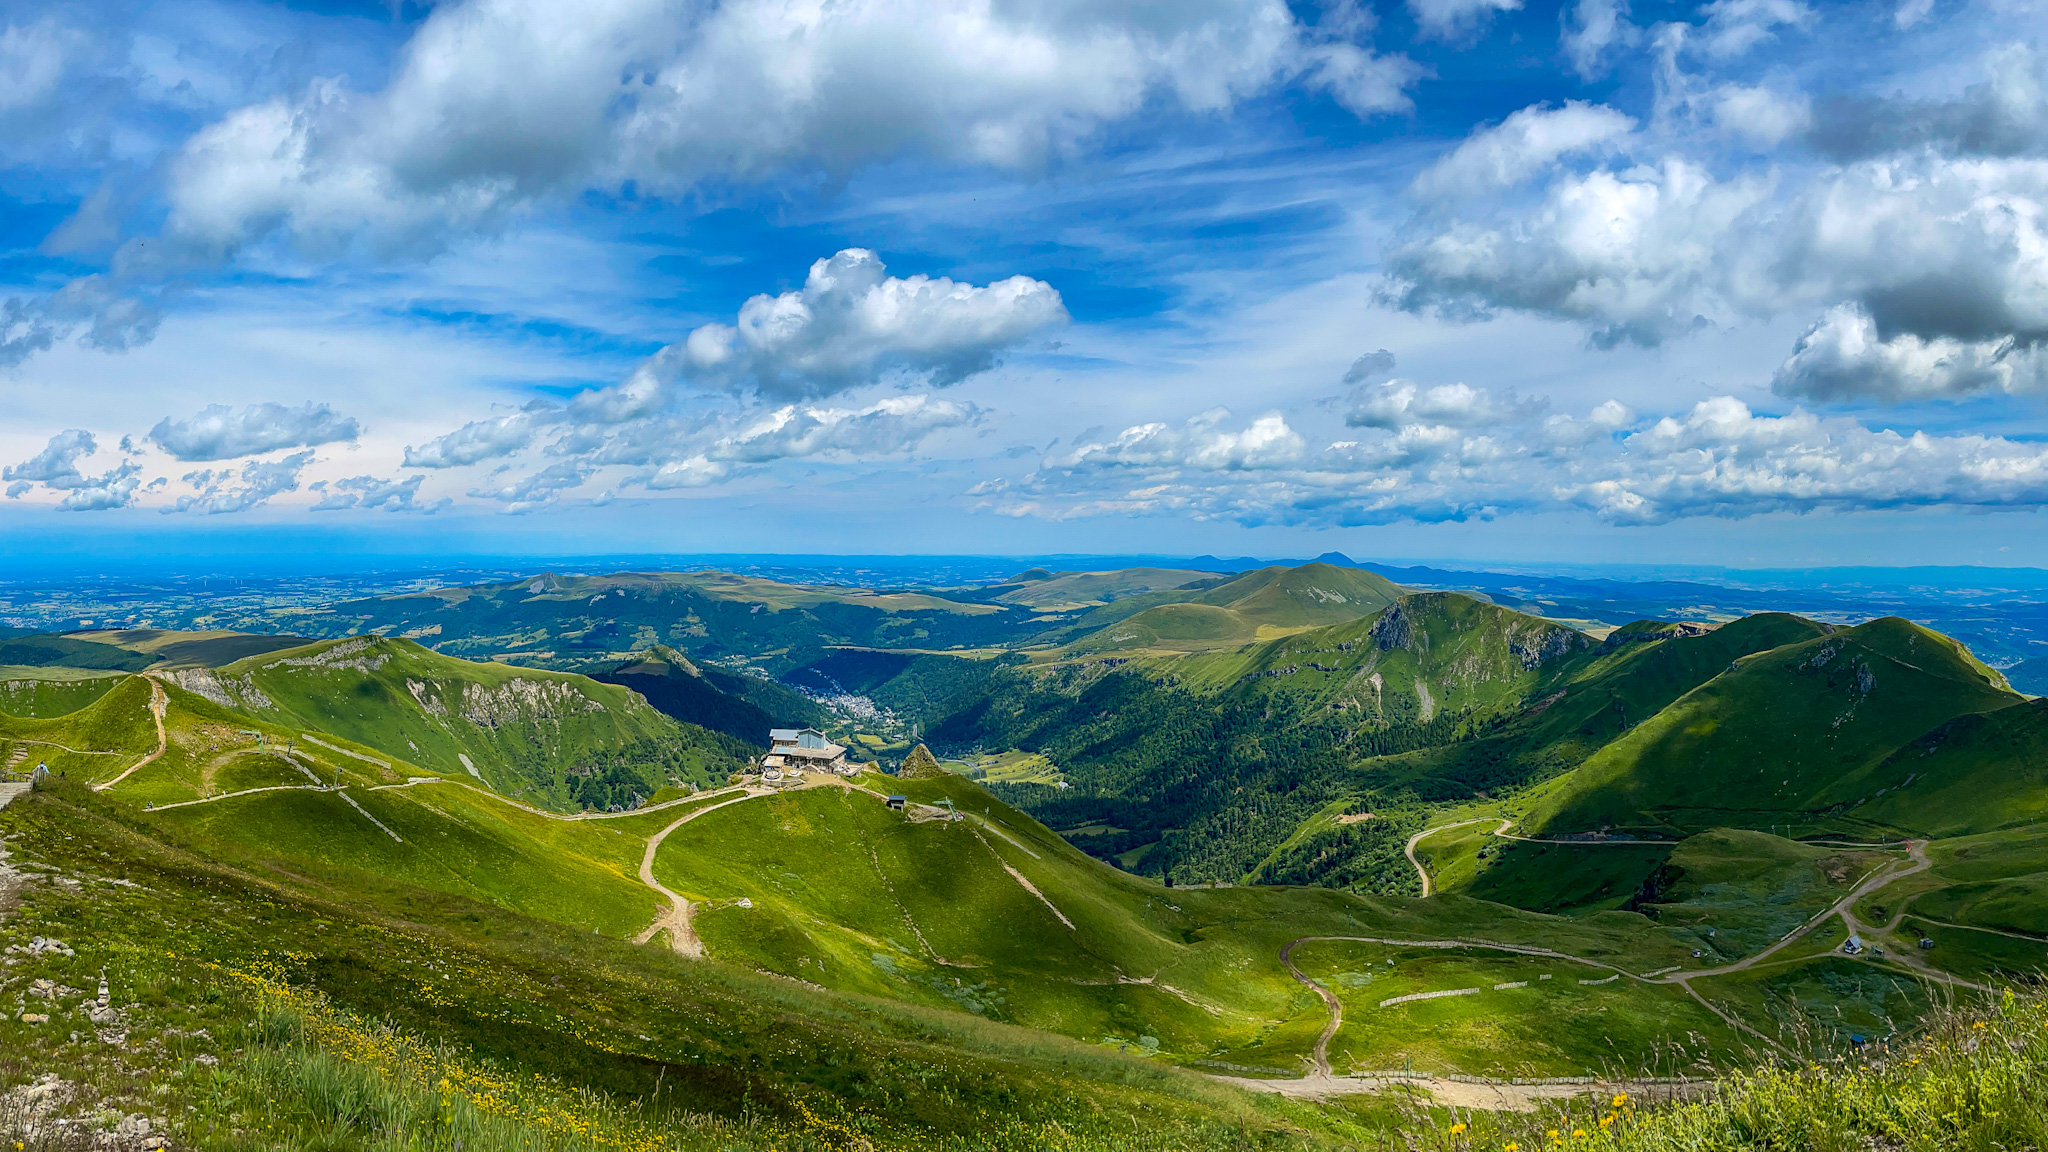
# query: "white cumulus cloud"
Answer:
x=219 y=432
x=1524 y=144
x=852 y=324
x=497 y=102
x=227 y=490
x=1844 y=357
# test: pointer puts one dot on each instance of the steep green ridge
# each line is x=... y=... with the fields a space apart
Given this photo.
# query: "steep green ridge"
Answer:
x=553 y=619
x=287 y=1015
x=991 y=913
x=1219 y=757
x=449 y=912
x=1636 y=672
x=554 y=739
x=108 y=733
x=1976 y=773
x=673 y=684
x=1235 y=612
x=1793 y=734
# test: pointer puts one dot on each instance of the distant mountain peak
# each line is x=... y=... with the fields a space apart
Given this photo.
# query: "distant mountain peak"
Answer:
x=1337 y=559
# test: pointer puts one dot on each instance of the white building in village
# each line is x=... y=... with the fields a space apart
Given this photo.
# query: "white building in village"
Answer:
x=799 y=750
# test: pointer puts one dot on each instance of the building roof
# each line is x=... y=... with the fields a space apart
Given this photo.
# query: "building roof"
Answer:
x=830 y=751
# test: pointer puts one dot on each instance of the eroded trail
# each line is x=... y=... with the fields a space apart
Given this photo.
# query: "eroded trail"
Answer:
x=159 y=702
x=676 y=920
x=1409 y=849
x=1319 y=1056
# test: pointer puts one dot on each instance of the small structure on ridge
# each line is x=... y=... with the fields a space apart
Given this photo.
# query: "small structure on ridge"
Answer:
x=799 y=750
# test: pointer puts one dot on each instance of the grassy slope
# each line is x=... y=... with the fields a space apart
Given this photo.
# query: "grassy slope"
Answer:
x=1222 y=756
x=1634 y=674
x=550 y=1030
x=1554 y=1026
x=1463 y=655
x=1975 y=773
x=537 y=735
x=1790 y=734
x=668 y=680
x=106 y=735
x=838 y=882
x=37 y=692
x=1752 y=887
x=850 y=895
x=1065 y=591
x=1236 y=612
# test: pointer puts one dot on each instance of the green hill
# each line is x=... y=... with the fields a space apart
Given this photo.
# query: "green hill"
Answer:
x=1785 y=736
x=555 y=739
x=1255 y=606
x=1215 y=759
x=1068 y=591
x=1976 y=773
x=375 y=946
x=52 y=691
x=36 y=650
x=670 y=682
x=1633 y=674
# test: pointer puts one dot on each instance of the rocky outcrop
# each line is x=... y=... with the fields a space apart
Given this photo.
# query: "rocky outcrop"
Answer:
x=227 y=691
x=920 y=765
x=520 y=699
x=348 y=654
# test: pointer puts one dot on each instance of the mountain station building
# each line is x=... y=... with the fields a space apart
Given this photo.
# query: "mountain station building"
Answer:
x=803 y=750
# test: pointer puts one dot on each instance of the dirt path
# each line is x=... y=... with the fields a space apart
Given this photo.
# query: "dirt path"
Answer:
x=22 y=752
x=1841 y=908
x=677 y=919
x=1504 y=834
x=1893 y=926
x=1320 y=1055
x=1020 y=878
x=1917 y=849
x=1474 y=1093
x=1409 y=850
x=158 y=704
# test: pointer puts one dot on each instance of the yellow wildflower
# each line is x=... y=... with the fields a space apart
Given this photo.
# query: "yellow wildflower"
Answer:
x=1578 y=1133
x=1457 y=1128
x=1620 y=1098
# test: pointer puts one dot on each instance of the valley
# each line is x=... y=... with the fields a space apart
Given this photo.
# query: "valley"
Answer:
x=1297 y=850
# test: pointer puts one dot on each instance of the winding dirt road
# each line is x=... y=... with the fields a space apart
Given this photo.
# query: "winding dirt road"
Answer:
x=1321 y=1082
x=1320 y=1054
x=677 y=919
x=1409 y=850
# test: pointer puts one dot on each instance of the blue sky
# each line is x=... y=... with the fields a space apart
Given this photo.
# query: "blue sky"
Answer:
x=1747 y=282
